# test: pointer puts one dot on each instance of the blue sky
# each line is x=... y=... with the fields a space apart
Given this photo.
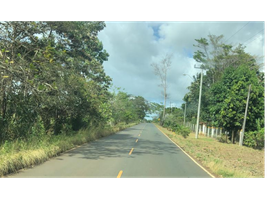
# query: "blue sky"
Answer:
x=156 y=31
x=133 y=46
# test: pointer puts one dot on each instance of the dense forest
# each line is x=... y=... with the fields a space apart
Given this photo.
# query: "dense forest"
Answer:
x=53 y=82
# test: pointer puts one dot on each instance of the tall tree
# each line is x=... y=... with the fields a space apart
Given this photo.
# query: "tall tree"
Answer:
x=215 y=57
x=161 y=70
x=53 y=73
x=229 y=99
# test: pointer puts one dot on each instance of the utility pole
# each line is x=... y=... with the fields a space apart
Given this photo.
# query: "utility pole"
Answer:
x=199 y=103
x=245 y=117
x=184 y=113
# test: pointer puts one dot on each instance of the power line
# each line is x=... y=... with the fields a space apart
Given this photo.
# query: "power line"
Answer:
x=236 y=32
x=253 y=37
x=245 y=43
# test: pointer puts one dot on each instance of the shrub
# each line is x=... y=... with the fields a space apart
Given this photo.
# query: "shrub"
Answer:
x=255 y=139
x=183 y=130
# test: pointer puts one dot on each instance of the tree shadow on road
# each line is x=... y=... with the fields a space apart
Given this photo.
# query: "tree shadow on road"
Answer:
x=119 y=145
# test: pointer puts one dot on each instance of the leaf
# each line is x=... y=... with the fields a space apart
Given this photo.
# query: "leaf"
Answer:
x=41 y=87
x=32 y=66
x=31 y=82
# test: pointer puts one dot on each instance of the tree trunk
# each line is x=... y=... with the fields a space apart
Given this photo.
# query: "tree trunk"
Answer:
x=233 y=136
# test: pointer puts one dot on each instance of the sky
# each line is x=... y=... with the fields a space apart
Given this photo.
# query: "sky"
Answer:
x=133 y=46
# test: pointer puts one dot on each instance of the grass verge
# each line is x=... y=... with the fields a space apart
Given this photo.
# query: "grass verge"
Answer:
x=221 y=159
x=21 y=154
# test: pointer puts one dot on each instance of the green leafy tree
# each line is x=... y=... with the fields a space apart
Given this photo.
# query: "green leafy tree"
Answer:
x=141 y=106
x=53 y=73
x=229 y=97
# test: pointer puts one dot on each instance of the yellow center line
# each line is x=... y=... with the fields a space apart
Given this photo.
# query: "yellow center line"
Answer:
x=120 y=174
x=137 y=140
x=131 y=151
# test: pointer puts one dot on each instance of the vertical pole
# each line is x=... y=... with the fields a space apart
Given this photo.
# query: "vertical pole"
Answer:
x=184 y=113
x=199 y=103
x=244 y=124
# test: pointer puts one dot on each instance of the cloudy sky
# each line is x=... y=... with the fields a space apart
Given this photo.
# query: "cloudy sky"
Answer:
x=133 y=46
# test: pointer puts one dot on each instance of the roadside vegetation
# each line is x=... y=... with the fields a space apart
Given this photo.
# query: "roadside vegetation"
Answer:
x=221 y=159
x=19 y=154
x=54 y=93
x=229 y=72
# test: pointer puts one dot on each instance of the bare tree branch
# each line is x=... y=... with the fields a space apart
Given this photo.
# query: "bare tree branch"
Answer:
x=161 y=70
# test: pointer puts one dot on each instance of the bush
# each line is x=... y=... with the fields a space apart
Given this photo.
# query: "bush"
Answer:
x=173 y=124
x=254 y=139
x=183 y=130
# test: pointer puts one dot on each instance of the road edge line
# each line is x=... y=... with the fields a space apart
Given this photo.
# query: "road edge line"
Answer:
x=186 y=153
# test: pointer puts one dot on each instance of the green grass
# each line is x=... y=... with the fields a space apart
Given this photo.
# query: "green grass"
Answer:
x=20 y=154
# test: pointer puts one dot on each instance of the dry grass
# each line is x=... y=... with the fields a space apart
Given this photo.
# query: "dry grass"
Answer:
x=221 y=159
x=21 y=154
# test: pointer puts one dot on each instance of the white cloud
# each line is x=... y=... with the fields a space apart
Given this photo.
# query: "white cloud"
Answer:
x=133 y=46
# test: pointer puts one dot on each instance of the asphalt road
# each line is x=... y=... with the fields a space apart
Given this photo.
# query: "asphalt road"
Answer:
x=141 y=151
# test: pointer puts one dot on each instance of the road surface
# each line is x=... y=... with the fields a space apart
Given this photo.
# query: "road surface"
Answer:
x=141 y=151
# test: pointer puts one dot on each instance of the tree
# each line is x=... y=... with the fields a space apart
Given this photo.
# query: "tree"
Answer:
x=161 y=70
x=141 y=106
x=53 y=73
x=229 y=99
x=215 y=56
